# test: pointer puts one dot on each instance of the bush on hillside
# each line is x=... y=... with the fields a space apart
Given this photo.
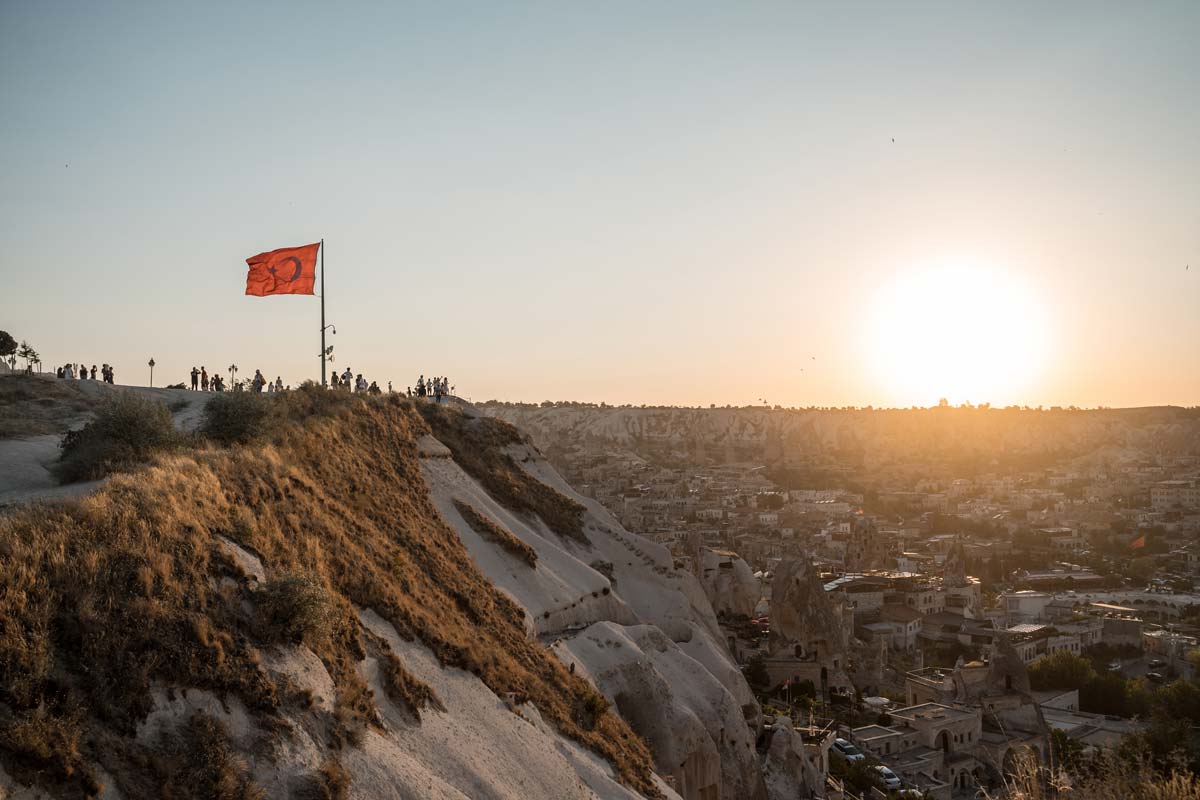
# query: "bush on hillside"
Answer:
x=235 y=417
x=330 y=782
x=126 y=431
x=295 y=609
x=203 y=763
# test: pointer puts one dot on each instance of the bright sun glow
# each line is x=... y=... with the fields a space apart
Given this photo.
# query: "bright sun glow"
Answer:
x=962 y=333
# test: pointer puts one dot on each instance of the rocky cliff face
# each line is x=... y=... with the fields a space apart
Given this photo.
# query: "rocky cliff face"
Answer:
x=728 y=582
x=613 y=607
x=375 y=600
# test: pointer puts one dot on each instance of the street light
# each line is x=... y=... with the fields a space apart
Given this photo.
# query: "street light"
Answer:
x=151 y=373
x=325 y=351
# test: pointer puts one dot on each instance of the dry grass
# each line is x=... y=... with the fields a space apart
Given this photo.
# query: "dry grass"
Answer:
x=34 y=405
x=104 y=597
x=236 y=417
x=1108 y=777
x=202 y=765
x=492 y=531
x=403 y=688
x=477 y=445
x=331 y=782
x=295 y=609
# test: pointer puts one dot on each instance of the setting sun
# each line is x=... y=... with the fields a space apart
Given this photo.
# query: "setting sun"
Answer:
x=962 y=333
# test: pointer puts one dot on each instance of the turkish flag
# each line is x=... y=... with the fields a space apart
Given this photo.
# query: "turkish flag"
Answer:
x=288 y=270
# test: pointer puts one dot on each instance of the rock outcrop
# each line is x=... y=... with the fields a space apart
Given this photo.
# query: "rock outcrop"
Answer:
x=728 y=582
x=614 y=608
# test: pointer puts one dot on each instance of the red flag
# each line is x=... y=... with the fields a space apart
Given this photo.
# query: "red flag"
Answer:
x=288 y=270
x=1138 y=542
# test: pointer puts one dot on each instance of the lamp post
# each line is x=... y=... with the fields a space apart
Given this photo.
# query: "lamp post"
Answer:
x=326 y=352
x=151 y=373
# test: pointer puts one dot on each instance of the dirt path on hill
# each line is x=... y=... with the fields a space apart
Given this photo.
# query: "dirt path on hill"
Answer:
x=25 y=462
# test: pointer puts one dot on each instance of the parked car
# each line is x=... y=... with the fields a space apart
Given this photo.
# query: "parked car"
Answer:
x=888 y=779
x=1155 y=663
x=1114 y=666
x=848 y=751
x=1155 y=677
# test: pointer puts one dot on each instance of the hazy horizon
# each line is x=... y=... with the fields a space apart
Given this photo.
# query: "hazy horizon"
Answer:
x=684 y=204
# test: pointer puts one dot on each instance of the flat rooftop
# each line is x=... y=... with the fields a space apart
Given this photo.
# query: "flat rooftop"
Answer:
x=872 y=732
x=931 y=711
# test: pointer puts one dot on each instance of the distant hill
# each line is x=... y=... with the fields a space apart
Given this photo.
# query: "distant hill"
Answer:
x=970 y=437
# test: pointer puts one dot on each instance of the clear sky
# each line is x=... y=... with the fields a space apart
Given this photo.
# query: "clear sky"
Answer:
x=636 y=202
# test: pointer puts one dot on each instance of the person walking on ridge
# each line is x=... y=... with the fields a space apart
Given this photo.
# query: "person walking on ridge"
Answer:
x=195 y=379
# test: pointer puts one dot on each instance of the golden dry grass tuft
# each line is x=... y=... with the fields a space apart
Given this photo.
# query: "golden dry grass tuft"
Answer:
x=494 y=532
x=402 y=687
x=202 y=765
x=331 y=782
x=107 y=596
x=1107 y=777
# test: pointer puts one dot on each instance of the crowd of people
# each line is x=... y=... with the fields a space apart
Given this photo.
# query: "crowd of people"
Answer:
x=437 y=388
x=201 y=381
x=348 y=381
x=81 y=372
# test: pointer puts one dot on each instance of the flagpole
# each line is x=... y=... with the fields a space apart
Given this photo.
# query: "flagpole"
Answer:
x=323 y=313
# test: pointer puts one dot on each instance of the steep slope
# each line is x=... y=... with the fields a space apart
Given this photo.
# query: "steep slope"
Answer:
x=612 y=603
x=292 y=618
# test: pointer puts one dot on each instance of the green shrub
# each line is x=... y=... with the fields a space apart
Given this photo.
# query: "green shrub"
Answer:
x=295 y=609
x=127 y=430
x=235 y=417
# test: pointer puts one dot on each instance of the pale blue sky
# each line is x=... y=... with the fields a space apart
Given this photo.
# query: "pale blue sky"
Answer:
x=630 y=202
